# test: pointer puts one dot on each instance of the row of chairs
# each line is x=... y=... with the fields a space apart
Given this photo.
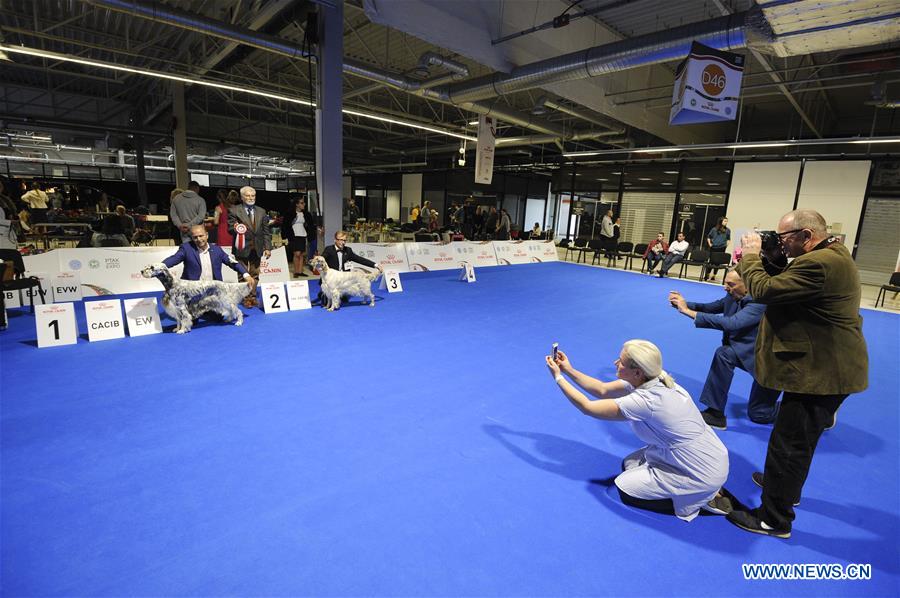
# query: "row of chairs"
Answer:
x=709 y=263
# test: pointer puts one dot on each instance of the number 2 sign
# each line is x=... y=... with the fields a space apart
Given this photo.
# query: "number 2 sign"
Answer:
x=274 y=297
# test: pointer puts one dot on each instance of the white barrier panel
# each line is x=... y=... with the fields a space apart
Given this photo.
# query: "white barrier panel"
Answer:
x=388 y=255
x=104 y=319
x=114 y=270
x=66 y=287
x=143 y=316
x=543 y=251
x=298 y=295
x=425 y=257
x=274 y=269
x=55 y=325
x=512 y=252
x=477 y=253
x=274 y=298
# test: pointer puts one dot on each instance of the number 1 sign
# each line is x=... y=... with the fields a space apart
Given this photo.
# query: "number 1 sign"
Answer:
x=55 y=324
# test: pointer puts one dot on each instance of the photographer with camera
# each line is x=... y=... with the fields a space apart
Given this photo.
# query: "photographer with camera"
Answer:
x=684 y=464
x=810 y=345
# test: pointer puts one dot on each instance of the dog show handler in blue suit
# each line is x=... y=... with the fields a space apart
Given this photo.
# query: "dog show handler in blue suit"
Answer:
x=203 y=261
x=737 y=316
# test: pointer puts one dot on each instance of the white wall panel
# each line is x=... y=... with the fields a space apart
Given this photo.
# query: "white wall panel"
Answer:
x=761 y=193
x=412 y=191
x=837 y=191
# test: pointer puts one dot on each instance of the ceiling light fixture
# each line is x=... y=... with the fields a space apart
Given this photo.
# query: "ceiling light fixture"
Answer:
x=737 y=146
x=217 y=85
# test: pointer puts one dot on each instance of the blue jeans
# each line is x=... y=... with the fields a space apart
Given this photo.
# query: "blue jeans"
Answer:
x=762 y=406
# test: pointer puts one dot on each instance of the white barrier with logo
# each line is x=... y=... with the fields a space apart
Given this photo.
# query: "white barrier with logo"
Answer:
x=390 y=256
x=425 y=257
x=512 y=252
x=117 y=270
x=477 y=253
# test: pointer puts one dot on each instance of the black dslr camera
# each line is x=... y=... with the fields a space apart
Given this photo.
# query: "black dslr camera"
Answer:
x=770 y=240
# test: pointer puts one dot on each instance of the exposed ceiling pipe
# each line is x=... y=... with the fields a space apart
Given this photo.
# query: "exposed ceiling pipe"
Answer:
x=160 y=13
x=434 y=59
x=177 y=18
x=505 y=142
x=724 y=33
x=585 y=115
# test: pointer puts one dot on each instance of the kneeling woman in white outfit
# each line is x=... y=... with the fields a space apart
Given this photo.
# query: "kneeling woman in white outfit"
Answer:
x=684 y=461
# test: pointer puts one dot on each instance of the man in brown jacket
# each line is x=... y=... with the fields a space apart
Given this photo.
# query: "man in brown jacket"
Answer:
x=810 y=345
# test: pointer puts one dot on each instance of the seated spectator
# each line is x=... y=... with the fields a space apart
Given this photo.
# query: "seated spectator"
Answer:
x=536 y=231
x=684 y=464
x=655 y=252
x=116 y=230
x=737 y=316
x=676 y=253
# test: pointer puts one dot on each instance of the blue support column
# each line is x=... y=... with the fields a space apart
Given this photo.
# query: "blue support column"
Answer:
x=329 y=119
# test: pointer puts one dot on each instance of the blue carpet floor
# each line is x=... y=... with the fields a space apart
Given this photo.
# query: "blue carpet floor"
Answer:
x=417 y=448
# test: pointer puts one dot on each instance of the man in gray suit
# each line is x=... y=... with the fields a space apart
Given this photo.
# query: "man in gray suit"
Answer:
x=249 y=225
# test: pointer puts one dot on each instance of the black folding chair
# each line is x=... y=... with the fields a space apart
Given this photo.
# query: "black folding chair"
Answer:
x=695 y=257
x=893 y=286
x=717 y=261
x=623 y=249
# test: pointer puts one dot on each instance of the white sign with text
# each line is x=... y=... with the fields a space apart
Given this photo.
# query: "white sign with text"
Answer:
x=142 y=315
x=298 y=295
x=55 y=324
x=66 y=287
x=274 y=298
x=467 y=273
x=391 y=281
x=104 y=319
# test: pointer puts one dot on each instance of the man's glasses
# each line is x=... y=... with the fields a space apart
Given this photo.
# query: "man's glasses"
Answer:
x=788 y=232
x=341 y=240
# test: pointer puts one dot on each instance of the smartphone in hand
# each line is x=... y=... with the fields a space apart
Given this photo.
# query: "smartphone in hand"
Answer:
x=554 y=350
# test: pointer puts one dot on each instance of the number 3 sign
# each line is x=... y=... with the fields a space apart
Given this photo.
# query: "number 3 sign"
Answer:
x=390 y=280
x=55 y=324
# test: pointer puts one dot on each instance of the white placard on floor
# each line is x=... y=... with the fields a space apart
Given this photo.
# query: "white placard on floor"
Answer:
x=390 y=280
x=66 y=287
x=104 y=319
x=55 y=324
x=298 y=295
x=142 y=315
x=274 y=298
x=467 y=272
x=42 y=297
x=11 y=299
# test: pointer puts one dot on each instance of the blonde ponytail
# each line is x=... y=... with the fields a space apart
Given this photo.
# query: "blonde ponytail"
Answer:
x=646 y=357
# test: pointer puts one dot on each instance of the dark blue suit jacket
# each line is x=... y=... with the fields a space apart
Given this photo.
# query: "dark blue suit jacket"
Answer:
x=739 y=322
x=187 y=253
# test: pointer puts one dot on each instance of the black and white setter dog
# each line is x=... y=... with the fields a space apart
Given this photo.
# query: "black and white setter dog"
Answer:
x=188 y=300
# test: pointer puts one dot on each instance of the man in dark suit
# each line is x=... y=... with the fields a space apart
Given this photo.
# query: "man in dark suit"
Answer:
x=249 y=226
x=338 y=256
x=810 y=345
x=203 y=261
x=737 y=316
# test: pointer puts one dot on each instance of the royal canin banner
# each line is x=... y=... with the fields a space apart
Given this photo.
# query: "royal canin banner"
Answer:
x=707 y=86
x=391 y=256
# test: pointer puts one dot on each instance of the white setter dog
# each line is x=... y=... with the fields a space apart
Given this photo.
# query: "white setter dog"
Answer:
x=187 y=300
x=337 y=284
